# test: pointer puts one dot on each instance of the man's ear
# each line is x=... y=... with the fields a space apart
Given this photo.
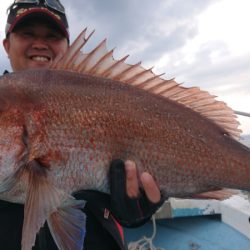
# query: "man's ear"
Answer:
x=6 y=45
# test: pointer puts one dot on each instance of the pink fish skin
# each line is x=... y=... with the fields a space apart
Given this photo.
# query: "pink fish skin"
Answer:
x=59 y=131
x=74 y=125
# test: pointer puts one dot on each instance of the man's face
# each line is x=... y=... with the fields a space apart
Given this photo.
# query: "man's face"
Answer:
x=34 y=45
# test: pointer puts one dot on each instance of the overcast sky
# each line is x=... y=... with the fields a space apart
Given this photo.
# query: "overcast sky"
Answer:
x=202 y=43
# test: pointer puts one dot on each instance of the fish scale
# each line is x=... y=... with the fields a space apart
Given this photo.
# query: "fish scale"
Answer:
x=59 y=131
x=97 y=128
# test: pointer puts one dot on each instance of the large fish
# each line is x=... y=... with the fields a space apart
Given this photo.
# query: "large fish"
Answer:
x=61 y=127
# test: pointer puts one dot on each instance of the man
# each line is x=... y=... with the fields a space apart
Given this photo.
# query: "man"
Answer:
x=36 y=34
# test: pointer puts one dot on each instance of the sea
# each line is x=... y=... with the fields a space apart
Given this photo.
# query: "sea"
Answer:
x=246 y=140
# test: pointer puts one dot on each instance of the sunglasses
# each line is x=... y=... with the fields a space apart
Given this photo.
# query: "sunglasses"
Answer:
x=53 y=4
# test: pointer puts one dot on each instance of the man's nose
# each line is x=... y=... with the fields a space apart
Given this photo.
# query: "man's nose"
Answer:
x=40 y=43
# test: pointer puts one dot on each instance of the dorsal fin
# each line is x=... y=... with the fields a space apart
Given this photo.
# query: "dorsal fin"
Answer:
x=100 y=62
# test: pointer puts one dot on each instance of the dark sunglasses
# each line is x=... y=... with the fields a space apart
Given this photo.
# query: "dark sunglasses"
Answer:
x=53 y=4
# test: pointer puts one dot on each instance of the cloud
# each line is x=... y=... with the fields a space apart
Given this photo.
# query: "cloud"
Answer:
x=228 y=74
x=128 y=22
x=4 y=61
x=144 y=29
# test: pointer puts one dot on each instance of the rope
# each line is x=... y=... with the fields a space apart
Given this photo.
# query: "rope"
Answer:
x=145 y=243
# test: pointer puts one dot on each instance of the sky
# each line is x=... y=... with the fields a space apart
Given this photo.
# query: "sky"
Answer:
x=203 y=43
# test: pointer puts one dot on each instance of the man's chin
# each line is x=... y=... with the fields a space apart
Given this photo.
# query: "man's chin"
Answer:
x=39 y=65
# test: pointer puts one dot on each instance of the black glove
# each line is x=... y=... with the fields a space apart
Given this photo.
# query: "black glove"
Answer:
x=130 y=212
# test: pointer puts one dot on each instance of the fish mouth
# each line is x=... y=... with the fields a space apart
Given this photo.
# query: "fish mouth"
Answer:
x=40 y=58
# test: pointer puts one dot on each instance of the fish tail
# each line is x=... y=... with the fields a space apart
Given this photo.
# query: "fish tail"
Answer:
x=46 y=202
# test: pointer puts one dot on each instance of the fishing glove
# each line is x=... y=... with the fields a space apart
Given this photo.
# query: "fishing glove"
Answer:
x=130 y=212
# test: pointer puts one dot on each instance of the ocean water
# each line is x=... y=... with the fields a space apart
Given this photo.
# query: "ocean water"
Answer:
x=246 y=140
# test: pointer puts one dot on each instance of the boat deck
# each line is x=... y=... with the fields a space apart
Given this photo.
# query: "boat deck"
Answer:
x=187 y=224
x=192 y=233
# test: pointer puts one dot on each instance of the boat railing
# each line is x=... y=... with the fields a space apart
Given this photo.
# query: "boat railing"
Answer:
x=242 y=113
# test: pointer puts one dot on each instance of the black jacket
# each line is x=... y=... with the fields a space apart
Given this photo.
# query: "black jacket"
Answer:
x=102 y=231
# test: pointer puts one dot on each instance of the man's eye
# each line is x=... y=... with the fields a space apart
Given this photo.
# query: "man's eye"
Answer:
x=27 y=34
x=54 y=36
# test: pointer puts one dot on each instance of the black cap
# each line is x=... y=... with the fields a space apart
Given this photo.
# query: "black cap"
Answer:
x=20 y=12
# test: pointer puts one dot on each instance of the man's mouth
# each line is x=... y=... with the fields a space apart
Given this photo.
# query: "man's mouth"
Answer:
x=40 y=58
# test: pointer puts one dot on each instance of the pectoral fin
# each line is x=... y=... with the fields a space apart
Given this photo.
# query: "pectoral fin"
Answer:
x=46 y=202
x=10 y=182
x=67 y=225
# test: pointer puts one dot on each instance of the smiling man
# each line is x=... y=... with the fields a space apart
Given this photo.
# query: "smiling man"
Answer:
x=26 y=47
x=36 y=35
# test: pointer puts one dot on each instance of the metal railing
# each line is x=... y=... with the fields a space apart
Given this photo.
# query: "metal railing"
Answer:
x=241 y=113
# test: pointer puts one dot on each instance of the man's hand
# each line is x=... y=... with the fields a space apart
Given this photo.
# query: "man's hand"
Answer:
x=132 y=204
x=132 y=183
